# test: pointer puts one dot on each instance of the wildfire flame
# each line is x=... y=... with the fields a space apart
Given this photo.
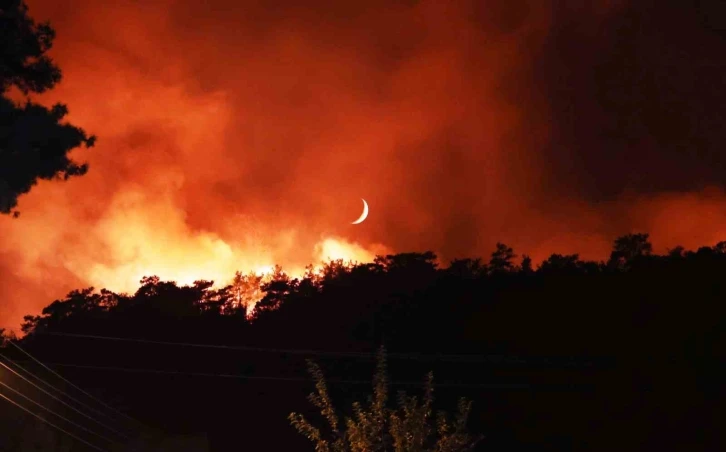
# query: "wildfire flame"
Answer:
x=230 y=139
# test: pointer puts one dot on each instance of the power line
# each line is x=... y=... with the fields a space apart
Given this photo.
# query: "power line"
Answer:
x=50 y=423
x=296 y=379
x=56 y=414
x=414 y=356
x=65 y=403
x=68 y=382
x=56 y=389
x=215 y=346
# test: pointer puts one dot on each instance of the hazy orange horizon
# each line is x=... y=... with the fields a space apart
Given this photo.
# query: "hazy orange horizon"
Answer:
x=236 y=136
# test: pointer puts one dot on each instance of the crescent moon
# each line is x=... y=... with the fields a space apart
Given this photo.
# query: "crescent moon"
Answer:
x=364 y=215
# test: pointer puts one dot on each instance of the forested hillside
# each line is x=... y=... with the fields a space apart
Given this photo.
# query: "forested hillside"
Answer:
x=625 y=354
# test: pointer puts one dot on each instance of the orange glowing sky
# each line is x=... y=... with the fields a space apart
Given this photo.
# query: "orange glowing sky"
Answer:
x=234 y=136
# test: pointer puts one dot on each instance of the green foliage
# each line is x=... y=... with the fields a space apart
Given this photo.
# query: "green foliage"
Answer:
x=246 y=289
x=629 y=248
x=468 y=268
x=561 y=263
x=154 y=299
x=23 y=61
x=526 y=266
x=276 y=287
x=34 y=142
x=409 y=428
x=502 y=259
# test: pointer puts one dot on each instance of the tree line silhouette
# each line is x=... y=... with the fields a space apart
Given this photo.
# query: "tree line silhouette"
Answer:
x=571 y=355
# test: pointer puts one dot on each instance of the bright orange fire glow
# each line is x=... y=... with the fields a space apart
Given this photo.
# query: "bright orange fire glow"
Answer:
x=242 y=136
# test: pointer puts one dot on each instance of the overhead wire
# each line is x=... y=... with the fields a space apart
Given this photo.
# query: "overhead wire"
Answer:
x=369 y=355
x=215 y=346
x=76 y=387
x=57 y=414
x=42 y=419
x=270 y=378
x=88 y=407
x=65 y=403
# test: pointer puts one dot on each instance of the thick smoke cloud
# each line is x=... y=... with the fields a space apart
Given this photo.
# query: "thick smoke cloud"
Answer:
x=237 y=134
x=639 y=100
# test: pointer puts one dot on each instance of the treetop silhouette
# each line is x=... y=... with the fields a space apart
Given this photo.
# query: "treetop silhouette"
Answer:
x=34 y=139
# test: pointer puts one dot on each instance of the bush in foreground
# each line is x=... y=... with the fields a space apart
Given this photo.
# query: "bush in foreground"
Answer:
x=409 y=428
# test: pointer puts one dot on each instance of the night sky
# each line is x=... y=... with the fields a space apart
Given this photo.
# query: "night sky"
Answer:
x=234 y=135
